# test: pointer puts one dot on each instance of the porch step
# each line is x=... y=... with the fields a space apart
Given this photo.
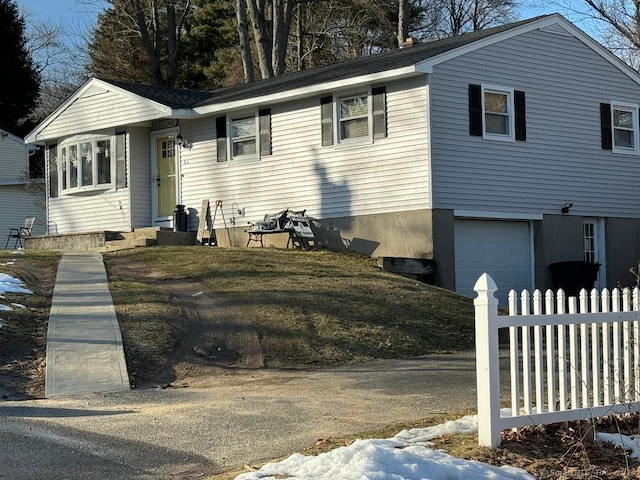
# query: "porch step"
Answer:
x=132 y=242
x=109 y=241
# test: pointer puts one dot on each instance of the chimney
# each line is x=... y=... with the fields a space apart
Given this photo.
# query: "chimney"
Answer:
x=409 y=42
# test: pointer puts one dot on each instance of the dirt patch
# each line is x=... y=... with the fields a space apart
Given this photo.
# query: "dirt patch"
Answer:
x=210 y=335
x=24 y=330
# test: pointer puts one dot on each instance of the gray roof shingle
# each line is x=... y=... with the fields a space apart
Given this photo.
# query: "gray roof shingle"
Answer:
x=184 y=99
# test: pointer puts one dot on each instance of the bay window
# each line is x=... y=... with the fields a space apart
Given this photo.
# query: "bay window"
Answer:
x=85 y=164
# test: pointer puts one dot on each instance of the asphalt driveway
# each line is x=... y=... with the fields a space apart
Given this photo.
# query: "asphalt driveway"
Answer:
x=225 y=422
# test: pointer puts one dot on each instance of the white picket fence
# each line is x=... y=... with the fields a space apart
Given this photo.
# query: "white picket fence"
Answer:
x=570 y=358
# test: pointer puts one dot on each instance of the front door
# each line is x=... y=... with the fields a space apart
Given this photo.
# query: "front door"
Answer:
x=593 y=247
x=166 y=179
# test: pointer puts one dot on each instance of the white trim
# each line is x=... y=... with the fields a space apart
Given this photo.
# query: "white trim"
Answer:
x=429 y=133
x=153 y=140
x=510 y=136
x=255 y=113
x=34 y=135
x=318 y=89
x=4 y=135
x=426 y=66
x=633 y=109
x=496 y=215
x=600 y=250
x=17 y=181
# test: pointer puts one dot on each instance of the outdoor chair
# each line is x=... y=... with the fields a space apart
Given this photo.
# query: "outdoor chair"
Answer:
x=20 y=233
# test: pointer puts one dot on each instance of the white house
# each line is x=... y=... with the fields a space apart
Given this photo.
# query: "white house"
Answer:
x=505 y=150
x=16 y=200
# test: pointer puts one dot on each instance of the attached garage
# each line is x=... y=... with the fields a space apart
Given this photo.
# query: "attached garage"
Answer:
x=503 y=249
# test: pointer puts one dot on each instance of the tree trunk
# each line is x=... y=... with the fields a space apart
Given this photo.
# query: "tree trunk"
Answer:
x=172 y=42
x=282 y=15
x=261 y=35
x=403 y=21
x=152 y=52
x=243 y=35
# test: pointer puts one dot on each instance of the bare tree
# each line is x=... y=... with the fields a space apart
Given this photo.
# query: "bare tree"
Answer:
x=243 y=35
x=157 y=24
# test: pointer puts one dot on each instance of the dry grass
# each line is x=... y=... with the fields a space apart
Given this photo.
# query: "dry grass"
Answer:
x=309 y=308
x=23 y=335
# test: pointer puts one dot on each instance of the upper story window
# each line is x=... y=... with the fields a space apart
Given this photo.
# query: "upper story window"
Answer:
x=497 y=113
x=619 y=127
x=244 y=137
x=353 y=118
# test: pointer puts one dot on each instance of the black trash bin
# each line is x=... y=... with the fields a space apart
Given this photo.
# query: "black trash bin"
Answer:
x=179 y=219
x=572 y=276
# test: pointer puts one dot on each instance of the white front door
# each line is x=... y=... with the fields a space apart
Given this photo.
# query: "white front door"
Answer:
x=593 y=247
x=165 y=185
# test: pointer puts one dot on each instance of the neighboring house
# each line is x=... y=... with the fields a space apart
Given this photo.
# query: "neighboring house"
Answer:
x=464 y=151
x=16 y=200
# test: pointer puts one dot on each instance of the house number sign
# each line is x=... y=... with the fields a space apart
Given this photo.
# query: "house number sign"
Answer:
x=167 y=123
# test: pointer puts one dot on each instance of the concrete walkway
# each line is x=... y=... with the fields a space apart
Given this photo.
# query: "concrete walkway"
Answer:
x=84 y=344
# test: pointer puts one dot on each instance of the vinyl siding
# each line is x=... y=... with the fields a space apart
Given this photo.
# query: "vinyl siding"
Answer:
x=386 y=176
x=94 y=111
x=13 y=160
x=17 y=204
x=562 y=160
x=139 y=176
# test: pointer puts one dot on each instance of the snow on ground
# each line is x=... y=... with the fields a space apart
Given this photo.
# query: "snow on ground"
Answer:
x=406 y=456
x=629 y=443
x=9 y=284
x=403 y=457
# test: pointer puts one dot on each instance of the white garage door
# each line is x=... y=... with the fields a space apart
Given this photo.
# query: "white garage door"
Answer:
x=500 y=248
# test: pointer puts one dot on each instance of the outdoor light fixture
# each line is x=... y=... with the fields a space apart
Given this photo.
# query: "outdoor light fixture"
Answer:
x=566 y=207
x=182 y=142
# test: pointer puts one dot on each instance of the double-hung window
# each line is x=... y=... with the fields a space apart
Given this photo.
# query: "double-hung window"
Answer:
x=497 y=113
x=625 y=127
x=354 y=118
x=244 y=137
x=619 y=127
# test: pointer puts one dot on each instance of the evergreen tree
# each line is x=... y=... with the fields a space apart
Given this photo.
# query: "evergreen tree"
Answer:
x=20 y=80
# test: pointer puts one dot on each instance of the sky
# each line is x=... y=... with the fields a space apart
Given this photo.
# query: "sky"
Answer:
x=59 y=11
x=77 y=12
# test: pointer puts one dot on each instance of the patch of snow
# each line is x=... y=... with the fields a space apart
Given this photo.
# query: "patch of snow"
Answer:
x=18 y=305
x=9 y=284
x=5 y=307
x=403 y=457
x=629 y=443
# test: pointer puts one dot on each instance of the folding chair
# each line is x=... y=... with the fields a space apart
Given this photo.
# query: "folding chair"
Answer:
x=20 y=233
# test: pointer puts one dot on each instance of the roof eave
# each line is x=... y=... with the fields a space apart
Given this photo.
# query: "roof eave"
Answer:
x=548 y=21
x=308 y=91
x=35 y=135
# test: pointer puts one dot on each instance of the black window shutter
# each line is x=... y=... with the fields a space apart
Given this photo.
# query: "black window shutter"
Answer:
x=326 y=113
x=379 y=95
x=53 y=171
x=475 y=110
x=521 y=117
x=265 y=131
x=221 y=139
x=605 y=126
